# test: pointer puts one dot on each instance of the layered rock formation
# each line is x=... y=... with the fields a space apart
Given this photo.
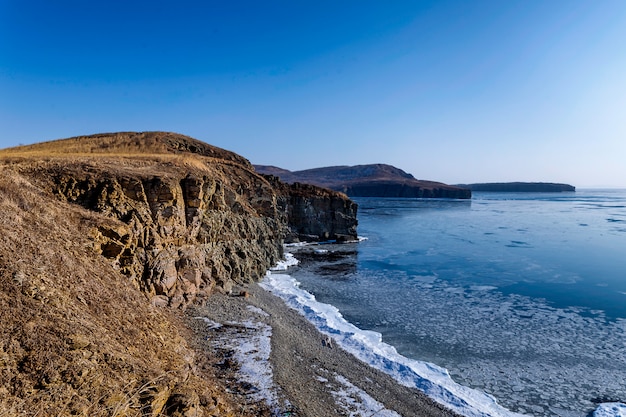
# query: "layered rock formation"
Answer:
x=186 y=217
x=377 y=180
x=77 y=338
x=316 y=214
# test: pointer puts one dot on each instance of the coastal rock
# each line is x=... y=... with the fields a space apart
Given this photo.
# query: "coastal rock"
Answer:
x=316 y=214
x=76 y=336
x=185 y=218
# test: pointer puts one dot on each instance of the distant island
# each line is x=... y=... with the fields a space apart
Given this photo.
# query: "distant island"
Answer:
x=519 y=187
x=374 y=180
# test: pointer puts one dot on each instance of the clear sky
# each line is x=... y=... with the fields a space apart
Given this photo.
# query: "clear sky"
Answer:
x=452 y=91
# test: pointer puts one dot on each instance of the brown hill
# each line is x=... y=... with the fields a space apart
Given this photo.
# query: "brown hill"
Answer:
x=376 y=180
x=97 y=232
x=125 y=144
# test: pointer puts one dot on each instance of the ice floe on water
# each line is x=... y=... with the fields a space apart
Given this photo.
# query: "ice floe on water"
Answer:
x=611 y=410
x=534 y=358
x=368 y=347
x=519 y=320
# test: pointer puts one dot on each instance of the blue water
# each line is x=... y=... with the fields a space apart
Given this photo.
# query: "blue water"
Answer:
x=520 y=295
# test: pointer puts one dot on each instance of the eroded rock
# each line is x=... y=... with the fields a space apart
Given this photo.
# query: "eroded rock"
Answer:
x=184 y=227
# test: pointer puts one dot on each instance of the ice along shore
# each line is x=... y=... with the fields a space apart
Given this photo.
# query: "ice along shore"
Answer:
x=299 y=357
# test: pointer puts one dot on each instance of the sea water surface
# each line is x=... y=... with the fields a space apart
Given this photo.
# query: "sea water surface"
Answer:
x=521 y=296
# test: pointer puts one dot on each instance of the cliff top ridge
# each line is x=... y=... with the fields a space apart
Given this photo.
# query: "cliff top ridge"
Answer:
x=125 y=144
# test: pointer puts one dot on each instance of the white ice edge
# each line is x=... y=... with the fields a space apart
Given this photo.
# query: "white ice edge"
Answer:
x=368 y=346
x=610 y=410
x=284 y=264
x=303 y=244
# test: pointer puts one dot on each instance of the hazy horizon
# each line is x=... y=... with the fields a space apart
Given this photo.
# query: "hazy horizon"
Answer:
x=449 y=91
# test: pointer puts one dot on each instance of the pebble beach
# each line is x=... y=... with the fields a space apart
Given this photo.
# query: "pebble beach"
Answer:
x=279 y=364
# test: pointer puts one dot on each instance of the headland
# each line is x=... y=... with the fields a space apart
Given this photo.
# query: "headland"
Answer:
x=106 y=239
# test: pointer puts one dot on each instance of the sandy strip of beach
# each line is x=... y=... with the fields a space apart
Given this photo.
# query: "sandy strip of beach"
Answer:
x=305 y=374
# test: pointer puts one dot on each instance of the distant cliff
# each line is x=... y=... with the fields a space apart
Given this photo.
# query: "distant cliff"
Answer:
x=377 y=180
x=520 y=187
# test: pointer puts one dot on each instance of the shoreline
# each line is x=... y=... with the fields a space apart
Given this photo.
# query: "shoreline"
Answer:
x=308 y=374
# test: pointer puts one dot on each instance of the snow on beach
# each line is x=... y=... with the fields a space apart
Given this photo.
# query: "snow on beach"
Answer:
x=357 y=402
x=250 y=342
x=368 y=347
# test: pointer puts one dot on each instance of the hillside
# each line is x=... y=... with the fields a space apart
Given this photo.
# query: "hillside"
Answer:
x=377 y=180
x=520 y=187
x=104 y=238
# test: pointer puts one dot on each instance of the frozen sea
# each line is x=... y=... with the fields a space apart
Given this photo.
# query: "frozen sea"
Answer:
x=521 y=296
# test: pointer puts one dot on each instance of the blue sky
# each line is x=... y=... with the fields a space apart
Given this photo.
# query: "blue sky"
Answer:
x=453 y=91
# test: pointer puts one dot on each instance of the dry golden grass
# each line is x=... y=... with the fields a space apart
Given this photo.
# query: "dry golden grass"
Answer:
x=123 y=144
x=76 y=338
x=126 y=153
x=120 y=143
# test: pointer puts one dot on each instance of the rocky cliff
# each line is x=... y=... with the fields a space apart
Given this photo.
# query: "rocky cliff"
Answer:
x=186 y=217
x=316 y=214
x=99 y=231
x=375 y=180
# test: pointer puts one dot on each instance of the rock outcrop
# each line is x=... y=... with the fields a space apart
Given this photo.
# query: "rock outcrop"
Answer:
x=77 y=338
x=316 y=214
x=186 y=218
x=376 y=180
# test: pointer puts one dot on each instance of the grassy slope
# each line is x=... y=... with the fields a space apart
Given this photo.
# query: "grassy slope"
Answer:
x=75 y=337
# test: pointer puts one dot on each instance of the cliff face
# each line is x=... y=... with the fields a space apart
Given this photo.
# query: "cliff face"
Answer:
x=316 y=214
x=77 y=338
x=393 y=189
x=375 y=180
x=186 y=218
x=178 y=237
